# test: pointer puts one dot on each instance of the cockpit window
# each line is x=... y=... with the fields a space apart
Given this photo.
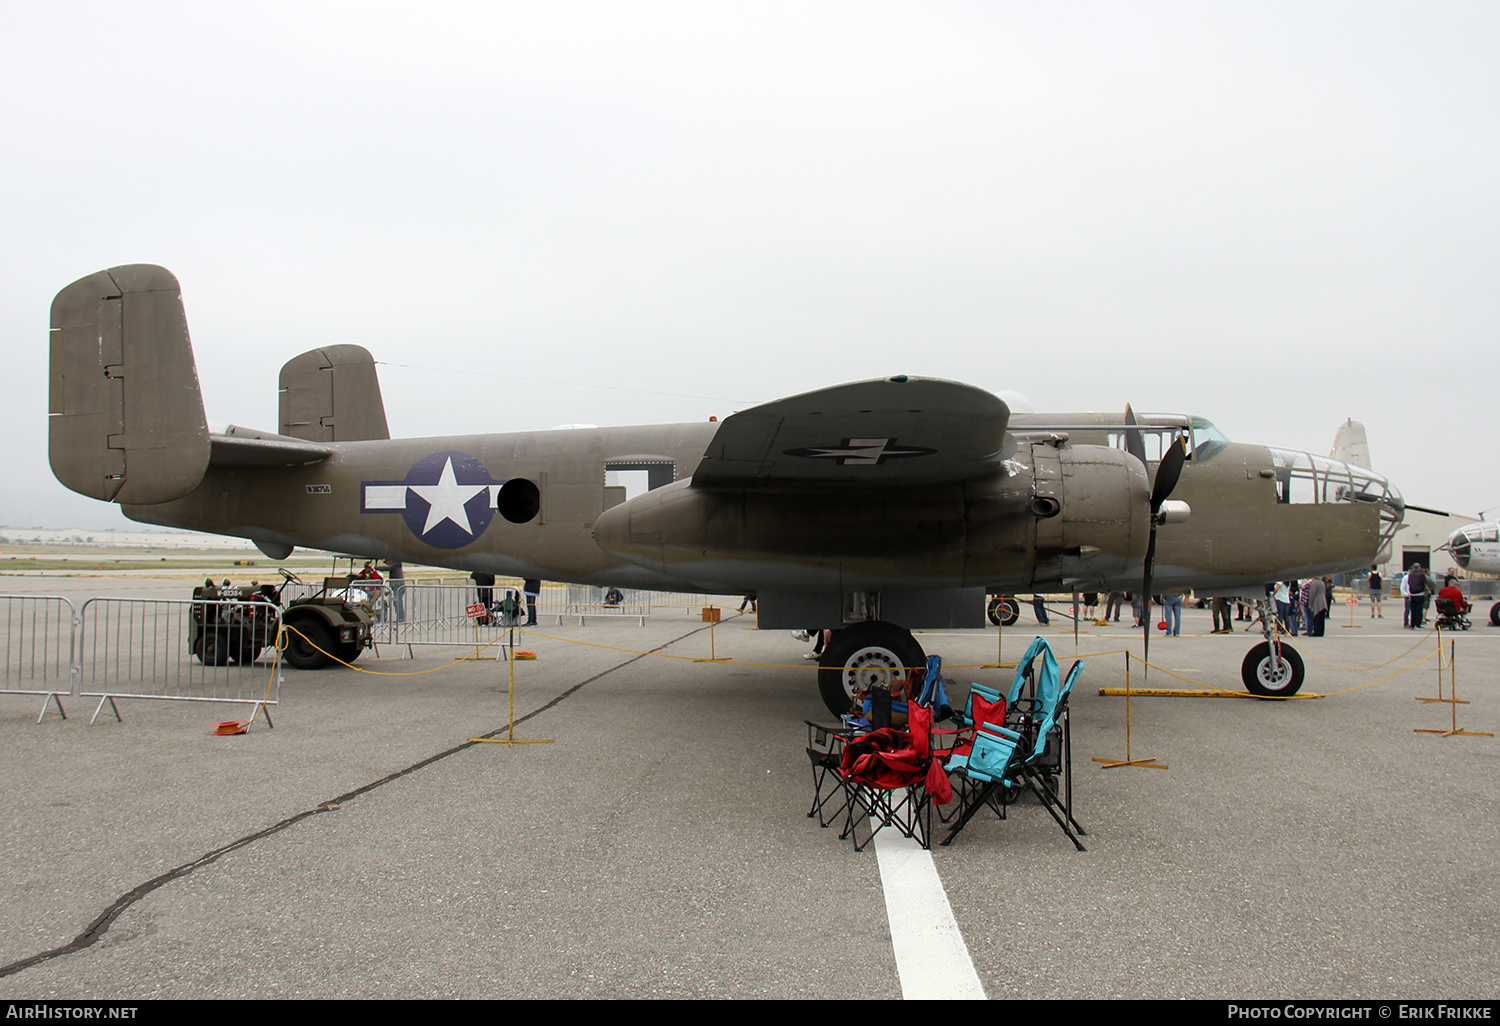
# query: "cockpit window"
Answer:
x=1207 y=440
x=1157 y=431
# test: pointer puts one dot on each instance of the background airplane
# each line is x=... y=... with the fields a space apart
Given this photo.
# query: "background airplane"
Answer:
x=879 y=506
x=1476 y=548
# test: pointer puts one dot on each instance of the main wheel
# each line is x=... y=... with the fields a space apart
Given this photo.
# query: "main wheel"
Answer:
x=873 y=654
x=1003 y=611
x=302 y=635
x=1495 y=615
x=212 y=648
x=1266 y=679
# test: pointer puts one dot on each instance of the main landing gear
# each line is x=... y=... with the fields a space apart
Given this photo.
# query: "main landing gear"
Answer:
x=1003 y=611
x=872 y=654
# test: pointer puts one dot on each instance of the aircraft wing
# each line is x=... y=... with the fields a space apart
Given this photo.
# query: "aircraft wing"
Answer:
x=897 y=431
x=233 y=451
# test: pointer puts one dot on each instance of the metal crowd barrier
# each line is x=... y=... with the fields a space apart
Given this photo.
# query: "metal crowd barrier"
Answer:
x=586 y=600
x=37 y=636
x=113 y=648
x=181 y=649
x=421 y=612
x=434 y=614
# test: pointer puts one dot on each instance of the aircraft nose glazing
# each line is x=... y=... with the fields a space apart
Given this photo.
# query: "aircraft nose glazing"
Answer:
x=1303 y=477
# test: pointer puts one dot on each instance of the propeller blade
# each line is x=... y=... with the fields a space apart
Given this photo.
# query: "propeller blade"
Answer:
x=1167 y=473
x=1146 y=625
x=1134 y=444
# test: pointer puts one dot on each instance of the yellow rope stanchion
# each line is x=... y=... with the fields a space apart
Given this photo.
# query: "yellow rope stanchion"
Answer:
x=711 y=617
x=1148 y=763
x=510 y=733
x=1453 y=700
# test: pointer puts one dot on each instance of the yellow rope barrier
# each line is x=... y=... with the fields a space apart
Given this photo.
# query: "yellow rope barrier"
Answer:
x=281 y=642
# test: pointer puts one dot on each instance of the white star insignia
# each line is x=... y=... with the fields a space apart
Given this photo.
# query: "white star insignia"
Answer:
x=446 y=499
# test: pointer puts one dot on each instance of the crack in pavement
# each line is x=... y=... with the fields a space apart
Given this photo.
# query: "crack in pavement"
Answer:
x=101 y=924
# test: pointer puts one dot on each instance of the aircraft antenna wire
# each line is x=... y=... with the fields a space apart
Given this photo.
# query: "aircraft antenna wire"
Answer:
x=569 y=384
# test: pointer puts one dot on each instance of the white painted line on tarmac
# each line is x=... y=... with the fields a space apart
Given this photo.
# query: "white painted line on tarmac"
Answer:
x=932 y=959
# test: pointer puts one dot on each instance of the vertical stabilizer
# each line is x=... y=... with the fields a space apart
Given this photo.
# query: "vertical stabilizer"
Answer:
x=1350 y=446
x=332 y=394
x=125 y=416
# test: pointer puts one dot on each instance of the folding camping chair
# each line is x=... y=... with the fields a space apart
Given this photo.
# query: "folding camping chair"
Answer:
x=825 y=751
x=885 y=776
x=892 y=779
x=1002 y=758
x=1035 y=681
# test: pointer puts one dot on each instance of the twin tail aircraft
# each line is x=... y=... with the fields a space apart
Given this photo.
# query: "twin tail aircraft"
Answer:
x=876 y=507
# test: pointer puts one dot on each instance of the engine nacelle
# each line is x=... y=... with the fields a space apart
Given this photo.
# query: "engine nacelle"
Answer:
x=1056 y=515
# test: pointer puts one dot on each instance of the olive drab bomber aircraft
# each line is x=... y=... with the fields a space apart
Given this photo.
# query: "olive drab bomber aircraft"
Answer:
x=875 y=507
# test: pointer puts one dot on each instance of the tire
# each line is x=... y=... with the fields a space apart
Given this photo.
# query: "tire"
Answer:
x=1495 y=615
x=212 y=648
x=1003 y=611
x=1261 y=680
x=300 y=652
x=248 y=653
x=869 y=654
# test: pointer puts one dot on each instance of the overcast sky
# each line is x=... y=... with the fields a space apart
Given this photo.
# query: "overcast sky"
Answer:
x=1275 y=215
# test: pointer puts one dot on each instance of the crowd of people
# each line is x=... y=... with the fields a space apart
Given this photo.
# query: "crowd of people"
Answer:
x=1302 y=606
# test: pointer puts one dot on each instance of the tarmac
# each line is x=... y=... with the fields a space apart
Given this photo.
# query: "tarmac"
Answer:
x=658 y=844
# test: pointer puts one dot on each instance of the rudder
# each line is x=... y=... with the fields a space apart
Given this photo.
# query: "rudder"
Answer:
x=332 y=394
x=125 y=415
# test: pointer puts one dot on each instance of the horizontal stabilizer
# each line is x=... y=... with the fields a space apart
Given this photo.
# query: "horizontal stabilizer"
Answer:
x=125 y=417
x=888 y=432
x=237 y=447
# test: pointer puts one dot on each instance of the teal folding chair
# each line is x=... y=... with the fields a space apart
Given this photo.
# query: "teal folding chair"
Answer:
x=1003 y=758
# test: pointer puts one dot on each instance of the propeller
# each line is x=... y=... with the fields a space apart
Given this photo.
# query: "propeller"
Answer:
x=1134 y=444
x=1167 y=473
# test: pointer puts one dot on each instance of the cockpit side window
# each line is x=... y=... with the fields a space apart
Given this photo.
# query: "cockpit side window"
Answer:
x=1207 y=441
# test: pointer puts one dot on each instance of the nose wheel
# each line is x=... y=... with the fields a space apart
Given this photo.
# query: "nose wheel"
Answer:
x=1268 y=677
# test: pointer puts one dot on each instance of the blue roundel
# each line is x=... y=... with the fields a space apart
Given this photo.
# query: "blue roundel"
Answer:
x=449 y=499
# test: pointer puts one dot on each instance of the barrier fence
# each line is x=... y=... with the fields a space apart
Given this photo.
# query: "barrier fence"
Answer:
x=38 y=635
x=112 y=648
x=438 y=613
x=221 y=650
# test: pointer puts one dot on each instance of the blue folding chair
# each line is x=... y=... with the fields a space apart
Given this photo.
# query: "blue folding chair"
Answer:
x=1004 y=757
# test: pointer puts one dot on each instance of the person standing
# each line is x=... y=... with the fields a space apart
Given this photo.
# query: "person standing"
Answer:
x=1406 y=598
x=1039 y=607
x=1418 y=587
x=533 y=589
x=1222 y=623
x=1112 y=606
x=485 y=587
x=1171 y=605
x=1377 y=584
x=1304 y=596
x=1322 y=593
x=395 y=576
x=1282 y=596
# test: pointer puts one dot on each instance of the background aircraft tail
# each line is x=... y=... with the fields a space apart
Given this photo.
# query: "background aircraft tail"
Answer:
x=125 y=415
x=1350 y=446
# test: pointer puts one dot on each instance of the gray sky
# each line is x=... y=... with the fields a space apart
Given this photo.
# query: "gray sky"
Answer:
x=1276 y=215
